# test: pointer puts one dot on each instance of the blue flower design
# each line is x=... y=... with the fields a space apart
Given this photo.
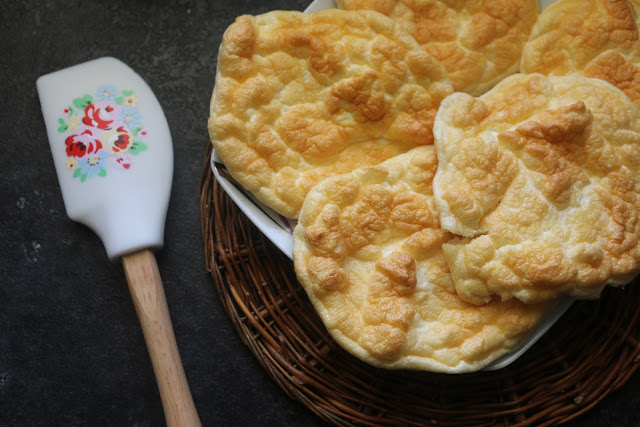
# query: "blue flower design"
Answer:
x=91 y=165
x=130 y=117
x=105 y=93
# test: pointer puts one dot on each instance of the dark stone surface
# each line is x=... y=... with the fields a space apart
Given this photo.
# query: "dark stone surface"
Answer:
x=71 y=350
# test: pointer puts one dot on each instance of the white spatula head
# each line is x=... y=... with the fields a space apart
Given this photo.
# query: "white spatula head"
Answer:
x=112 y=150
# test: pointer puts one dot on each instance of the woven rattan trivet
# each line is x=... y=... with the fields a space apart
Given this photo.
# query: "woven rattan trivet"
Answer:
x=590 y=352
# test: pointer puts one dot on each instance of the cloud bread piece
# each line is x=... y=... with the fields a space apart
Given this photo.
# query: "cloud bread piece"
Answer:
x=367 y=250
x=596 y=38
x=299 y=97
x=540 y=177
x=478 y=42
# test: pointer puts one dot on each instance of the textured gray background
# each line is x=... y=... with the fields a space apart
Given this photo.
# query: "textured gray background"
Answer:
x=71 y=351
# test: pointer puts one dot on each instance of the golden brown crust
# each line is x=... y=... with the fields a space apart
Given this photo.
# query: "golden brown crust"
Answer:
x=478 y=42
x=368 y=251
x=299 y=97
x=596 y=38
x=542 y=176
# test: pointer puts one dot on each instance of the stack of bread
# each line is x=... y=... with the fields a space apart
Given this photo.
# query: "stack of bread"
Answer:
x=454 y=167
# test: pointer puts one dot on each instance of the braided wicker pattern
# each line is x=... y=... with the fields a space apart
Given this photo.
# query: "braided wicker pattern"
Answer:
x=590 y=352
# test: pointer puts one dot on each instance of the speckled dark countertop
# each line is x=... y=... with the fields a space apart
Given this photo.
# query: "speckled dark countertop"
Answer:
x=71 y=350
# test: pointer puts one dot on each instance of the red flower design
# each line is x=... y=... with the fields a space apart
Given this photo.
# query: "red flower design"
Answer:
x=78 y=145
x=123 y=164
x=121 y=160
x=100 y=115
x=122 y=141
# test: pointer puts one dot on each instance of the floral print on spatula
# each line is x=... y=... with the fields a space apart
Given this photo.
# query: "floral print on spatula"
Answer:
x=102 y=131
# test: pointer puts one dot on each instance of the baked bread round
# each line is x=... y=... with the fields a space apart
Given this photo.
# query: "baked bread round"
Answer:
x=368 y=252
x=478 y=42
x=596 y=38
x=299 y=97
x=541 y=177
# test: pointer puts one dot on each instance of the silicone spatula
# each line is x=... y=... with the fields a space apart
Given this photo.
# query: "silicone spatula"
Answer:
x=113 y=155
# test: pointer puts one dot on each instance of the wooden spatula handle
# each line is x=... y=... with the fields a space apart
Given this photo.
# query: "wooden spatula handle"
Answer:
x=149 y=299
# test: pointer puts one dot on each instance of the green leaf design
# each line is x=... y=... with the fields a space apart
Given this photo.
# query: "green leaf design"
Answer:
x=136 y=131
x=63 y=126
x=127 y=92
x=83 y=102
x=103 y=172
x=137 y=147
x=77 y=173
x=119 y=100
x=83 y=177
